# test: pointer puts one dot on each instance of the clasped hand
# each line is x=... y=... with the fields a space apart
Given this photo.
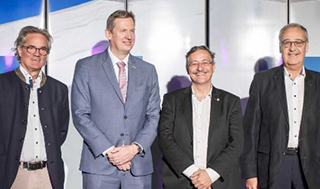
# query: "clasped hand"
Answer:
x=121 y=156
x=201 y=180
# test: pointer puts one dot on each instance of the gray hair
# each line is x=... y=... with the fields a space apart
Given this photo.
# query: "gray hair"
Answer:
x=22 y=37
x=293 y=25
x=118 y=14
x=198 y=48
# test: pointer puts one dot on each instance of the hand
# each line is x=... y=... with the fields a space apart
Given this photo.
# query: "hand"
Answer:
x=124 y=167
x=122 y=154
x=200 y=179
x=252 y=183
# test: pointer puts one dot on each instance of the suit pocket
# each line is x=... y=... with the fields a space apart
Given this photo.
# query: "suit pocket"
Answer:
x=56 y=105
x=263 y=149
x=142 y=88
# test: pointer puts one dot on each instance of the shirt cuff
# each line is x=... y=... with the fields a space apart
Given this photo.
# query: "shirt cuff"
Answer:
x=190 y=170
x=106 y=151
x=214 y=176
x=141 y=148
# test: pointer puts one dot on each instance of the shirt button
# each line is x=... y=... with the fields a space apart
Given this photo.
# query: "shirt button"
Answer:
x=125 y=117
x=121 y=134
x=294 y=95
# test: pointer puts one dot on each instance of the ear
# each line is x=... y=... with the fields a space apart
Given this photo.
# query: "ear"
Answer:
x=108 y=34
x=280 y=48
x=213 y=67
x=19 y=51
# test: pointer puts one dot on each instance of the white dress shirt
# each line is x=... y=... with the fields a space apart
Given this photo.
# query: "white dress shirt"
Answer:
x=201 y=120
x=115 y=60
x=295 y=96
x=33 y=146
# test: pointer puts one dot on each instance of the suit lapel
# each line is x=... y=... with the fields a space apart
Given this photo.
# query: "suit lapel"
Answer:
x=187 y=109
x=309 y=95
x=132 y=75
x=215 y=112
x=281 y=90
x=108 y=68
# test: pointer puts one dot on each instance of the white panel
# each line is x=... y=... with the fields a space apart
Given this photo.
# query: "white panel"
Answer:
x=165 y=31
x=242 y=32
x=76 y=31
x=308 y=15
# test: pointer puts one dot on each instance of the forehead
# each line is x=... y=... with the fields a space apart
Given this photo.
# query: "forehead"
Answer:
x=293 y=34
x=200 y=55
x=123 y=22
x=36 y=39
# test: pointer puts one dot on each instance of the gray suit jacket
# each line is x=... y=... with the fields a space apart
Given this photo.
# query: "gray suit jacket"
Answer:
x=104 y=120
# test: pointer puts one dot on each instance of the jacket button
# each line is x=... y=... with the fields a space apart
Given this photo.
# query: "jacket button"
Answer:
x=45 y=126
x=42 y=109
x=25 y=104
x=24 y=122
x=18 y=158
x=22 y=139
x=49 y=144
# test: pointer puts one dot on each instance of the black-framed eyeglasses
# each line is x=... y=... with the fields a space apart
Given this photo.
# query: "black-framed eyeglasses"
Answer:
x=298 y=43
x=204 y=63
x=32 y=50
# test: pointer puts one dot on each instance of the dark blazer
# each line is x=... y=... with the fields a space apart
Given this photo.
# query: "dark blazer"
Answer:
x=225 y=140
x=54 y=117
x=266 y=128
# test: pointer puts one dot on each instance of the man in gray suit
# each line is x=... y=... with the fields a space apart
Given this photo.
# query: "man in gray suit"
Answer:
x=115 y=106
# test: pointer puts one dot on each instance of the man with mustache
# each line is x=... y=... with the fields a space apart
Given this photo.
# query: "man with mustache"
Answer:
x=281 y=121
x=34 y=117
x=115 y=105
x=200 y=130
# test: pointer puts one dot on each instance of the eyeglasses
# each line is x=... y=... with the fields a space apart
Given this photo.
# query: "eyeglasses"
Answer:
x=204 y=63
x=32 y=50
x=287 y=44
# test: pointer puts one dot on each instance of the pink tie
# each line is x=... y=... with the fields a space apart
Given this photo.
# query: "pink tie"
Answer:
x=122 y=80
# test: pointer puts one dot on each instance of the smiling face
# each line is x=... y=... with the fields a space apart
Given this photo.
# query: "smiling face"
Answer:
x=293 y=54
x=201 y=67
x=33 y=62
x=122 y=37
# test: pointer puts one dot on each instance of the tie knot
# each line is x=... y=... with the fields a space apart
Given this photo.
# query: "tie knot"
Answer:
x=121 y=64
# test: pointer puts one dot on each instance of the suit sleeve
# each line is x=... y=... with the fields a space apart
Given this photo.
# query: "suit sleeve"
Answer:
x=146 y=136
x=172 y=152
x=251 y=123
x=230 y=155
x=81 y=111
x=65 y=116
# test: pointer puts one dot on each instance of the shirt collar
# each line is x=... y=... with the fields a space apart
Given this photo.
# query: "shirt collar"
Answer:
x=115 y=60
x=208 y=95
x=287 y=74
x=27 y=76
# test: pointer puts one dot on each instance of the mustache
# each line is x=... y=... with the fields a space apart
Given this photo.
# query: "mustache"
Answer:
x=200 y=71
